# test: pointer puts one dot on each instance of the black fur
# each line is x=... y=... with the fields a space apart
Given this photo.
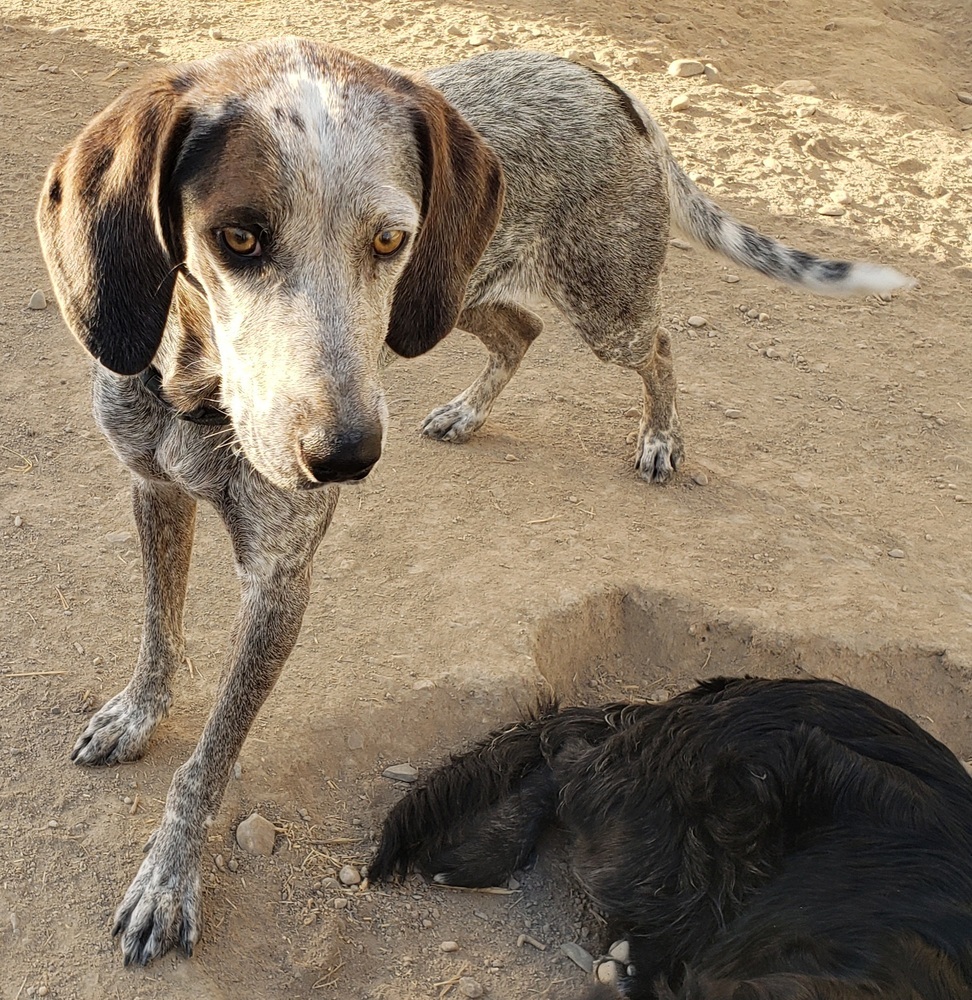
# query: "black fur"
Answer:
x=752 y=839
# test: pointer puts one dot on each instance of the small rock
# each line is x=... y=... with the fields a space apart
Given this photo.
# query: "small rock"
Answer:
x=256 y=835
x=448 y=946
x=215 y=33
x=401 y=772
x=42 y=991
x=37 y=301
x=581 y=958
x=340 y=903
x=52 y=824
x=530 y=940
x=763 y=317
x=832 y=210
x=964 y=97
x=123 y=64
x=711 y=73
x=469 y=987
x=349 y=875
x=633 y=411
x=680 y=244
x=97 y=661
x=18 y=521
x=700 y=479
x=233 y=865
x=796 y=87
x=840 y=197
x=237 y=770
x=733 y=414
x=896 y=553
x=731 y=279
x=118 y=537
x=478 y=39
x=662 y=19
x=772 y=352
x=752 y=313
x=696 y=321
x=511 y=458
x=686 y=67
x=681 y=103
x=355 y=740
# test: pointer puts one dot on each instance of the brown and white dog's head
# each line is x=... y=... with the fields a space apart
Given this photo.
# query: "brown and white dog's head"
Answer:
x=316 y=205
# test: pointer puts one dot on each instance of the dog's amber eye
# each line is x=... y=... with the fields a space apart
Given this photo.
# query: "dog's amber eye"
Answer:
x=241 y=241
x=388 y=241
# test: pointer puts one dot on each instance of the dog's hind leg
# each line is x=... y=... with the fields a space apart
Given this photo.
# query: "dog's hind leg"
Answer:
x=507 y=331
x=165 y=516
x=646 y=349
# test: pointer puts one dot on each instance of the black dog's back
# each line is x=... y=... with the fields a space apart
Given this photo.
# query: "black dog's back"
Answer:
x=754 y=840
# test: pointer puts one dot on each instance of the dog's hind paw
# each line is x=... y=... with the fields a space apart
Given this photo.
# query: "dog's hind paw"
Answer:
x=120 y=729
x=658 y=455
x=162 y=908
x=455 y=422
x=613 y=969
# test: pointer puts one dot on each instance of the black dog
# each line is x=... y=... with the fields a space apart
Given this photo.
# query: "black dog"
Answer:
x=751 y=839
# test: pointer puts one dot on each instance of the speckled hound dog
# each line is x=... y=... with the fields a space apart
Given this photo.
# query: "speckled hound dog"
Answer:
x=747 y=840
x=236 y=240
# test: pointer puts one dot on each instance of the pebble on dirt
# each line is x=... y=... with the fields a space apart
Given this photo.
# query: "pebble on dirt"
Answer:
x=448 y=946
x=696 y=321
x=686 y=67
x=733 y=414
x=796 y=87
x=401 y=772
x=469 y=987
x=681 y=103
x=896 y=553
x=37 y=301
x=349 y=875
x=256 y=834
x=578 y=955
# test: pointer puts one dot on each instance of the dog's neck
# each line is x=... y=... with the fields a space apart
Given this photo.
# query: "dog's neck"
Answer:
x=186 y=372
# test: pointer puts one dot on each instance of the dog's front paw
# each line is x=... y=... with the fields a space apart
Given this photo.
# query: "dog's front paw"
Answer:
x=659 y=454
x=456 y=421
x=162 y=907
x=120 y=729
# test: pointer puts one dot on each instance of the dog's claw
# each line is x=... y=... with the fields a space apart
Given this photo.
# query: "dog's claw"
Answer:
x=161 y=909
x=659 y=455
x=455 y=422
x=120 y=730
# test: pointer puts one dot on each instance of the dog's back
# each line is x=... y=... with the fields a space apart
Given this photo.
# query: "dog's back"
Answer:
x=754 y=840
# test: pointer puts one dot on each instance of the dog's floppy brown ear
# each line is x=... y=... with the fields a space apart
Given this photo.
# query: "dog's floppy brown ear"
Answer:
x=462 y=202
x=106 y=226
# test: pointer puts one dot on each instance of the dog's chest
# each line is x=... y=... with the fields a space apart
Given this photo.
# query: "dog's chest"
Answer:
x=153 y=442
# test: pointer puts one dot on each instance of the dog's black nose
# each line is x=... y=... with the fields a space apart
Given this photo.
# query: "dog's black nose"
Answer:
x=350 y=456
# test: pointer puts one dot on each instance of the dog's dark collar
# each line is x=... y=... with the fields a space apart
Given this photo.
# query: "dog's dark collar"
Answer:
x=212 y=416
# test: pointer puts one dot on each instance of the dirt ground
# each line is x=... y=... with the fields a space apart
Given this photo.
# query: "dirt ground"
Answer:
x=458 y=581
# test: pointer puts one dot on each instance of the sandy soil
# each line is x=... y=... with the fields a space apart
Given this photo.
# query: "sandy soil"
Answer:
x=459 y=580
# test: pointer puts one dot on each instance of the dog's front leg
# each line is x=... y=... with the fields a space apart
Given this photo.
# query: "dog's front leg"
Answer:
x=275 y=538
x=120 y=730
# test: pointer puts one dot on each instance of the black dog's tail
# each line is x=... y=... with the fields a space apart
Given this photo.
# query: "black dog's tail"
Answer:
x=476 y=819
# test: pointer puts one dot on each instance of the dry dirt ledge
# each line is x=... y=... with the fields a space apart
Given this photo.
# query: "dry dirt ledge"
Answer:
x=455 y=581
